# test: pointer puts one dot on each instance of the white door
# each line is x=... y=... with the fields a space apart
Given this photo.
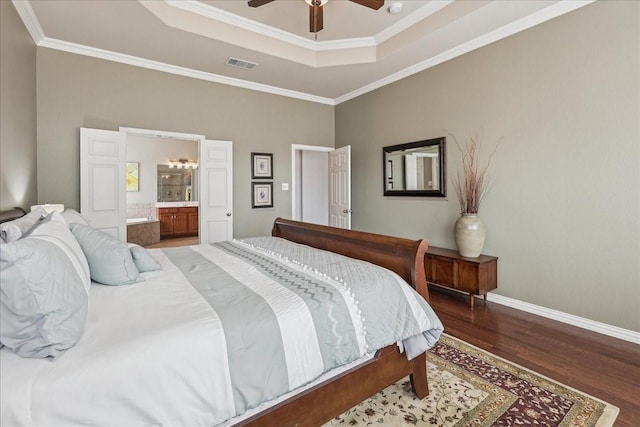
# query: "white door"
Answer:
x=103 y=197
x=340 y=187
x=216 y=191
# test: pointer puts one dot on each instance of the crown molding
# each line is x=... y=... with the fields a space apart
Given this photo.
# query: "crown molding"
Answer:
x=409 y=21
x=532 y=20
x=35 y=30
x=208 y=21
x=26 y=13
x=79 y=49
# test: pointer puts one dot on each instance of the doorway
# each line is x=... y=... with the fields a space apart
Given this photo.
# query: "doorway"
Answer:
x=321 y=185
x=103 y=173
x=162 y=206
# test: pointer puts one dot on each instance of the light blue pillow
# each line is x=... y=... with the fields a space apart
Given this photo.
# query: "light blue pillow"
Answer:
x=72 y=216
x=110 y=261
x=143 y=259
x=43 y=300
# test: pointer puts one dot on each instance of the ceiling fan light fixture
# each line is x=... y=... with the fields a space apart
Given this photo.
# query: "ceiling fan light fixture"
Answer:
x=310 y=2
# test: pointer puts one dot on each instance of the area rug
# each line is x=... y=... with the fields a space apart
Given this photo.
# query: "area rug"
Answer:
x=471 y=387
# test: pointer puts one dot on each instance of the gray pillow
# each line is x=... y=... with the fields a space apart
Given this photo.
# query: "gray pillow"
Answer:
x=110 y=261
x=43 y=300
x=13 y=230
x=143 y=259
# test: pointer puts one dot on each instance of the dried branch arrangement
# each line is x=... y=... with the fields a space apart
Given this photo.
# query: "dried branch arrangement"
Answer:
x=472 y=184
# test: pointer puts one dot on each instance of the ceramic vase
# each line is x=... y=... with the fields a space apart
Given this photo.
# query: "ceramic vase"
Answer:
x=469 y=233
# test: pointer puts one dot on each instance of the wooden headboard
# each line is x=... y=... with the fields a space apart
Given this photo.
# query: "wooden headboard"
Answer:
x=404 y=256
x=11 y=214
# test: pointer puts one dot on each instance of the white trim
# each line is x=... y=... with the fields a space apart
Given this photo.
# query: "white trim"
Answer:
x=512 y=28
x=26 y=13
x=212 y=12
x=162 y=133
x=33 y=26
x=294 y=164
x=412 y=19
x=174 y=69
x=581 y=322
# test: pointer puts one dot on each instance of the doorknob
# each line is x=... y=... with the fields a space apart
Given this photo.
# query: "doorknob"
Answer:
x=347 y=211
x=228 y=213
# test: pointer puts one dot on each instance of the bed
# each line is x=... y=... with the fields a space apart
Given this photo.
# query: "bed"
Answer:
x=134 y=312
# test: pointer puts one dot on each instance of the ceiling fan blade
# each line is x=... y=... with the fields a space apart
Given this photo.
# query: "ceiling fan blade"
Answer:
x=315 y=17
x=258 y=3
x=373 y=4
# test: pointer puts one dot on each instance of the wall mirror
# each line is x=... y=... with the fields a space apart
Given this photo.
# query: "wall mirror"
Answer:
x=177 y=185
x=415 y=169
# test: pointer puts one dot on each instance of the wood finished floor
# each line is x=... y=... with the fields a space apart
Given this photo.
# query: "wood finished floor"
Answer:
x=171 y=243
x=604 y=367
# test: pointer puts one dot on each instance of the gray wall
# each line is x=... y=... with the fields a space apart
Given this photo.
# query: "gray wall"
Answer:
x=17 y=111
x=564 y=212
x=76 y=91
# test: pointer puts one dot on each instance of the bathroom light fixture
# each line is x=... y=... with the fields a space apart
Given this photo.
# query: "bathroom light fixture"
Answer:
x=183 y=164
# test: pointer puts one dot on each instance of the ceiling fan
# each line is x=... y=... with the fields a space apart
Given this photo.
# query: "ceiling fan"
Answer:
x=315 y=9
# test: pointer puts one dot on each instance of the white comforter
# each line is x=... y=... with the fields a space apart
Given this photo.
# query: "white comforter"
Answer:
x=154 y=327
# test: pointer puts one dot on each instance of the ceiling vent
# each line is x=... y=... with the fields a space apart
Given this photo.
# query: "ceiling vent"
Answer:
x=241 y=63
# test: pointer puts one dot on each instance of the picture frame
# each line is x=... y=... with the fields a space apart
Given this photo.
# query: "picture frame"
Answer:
x=261 y=166
x=261 y=195
x=133 y=176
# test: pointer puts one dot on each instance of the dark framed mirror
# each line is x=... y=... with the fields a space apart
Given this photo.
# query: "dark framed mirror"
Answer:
x=415 y=169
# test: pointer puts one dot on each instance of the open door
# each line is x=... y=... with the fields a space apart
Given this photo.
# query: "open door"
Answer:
x=103 y=197
x=216 y=191
x=340 y=187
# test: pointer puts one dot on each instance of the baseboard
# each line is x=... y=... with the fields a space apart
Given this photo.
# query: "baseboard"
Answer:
x=581 y=322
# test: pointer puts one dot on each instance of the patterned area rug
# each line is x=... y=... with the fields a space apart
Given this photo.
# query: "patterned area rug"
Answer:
x=470 y=387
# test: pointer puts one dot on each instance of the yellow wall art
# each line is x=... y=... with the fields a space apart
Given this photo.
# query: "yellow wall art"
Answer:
x=133 y=177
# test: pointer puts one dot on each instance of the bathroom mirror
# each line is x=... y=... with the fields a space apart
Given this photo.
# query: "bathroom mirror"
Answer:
x=415 y=169
x=177 y=184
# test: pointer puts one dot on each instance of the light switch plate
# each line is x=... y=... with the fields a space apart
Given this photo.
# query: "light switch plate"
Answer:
x=285 y=186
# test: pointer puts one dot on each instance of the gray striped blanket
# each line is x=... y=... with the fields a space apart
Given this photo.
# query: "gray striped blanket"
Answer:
x=291 y=312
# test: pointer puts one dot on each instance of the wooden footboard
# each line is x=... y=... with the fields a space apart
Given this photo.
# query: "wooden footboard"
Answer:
x=404 y=256
x=331 y=398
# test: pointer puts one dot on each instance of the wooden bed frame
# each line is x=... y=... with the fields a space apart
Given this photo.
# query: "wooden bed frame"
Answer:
x=331 y=398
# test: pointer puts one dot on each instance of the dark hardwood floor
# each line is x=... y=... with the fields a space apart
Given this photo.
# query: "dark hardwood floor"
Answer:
x=596 y=364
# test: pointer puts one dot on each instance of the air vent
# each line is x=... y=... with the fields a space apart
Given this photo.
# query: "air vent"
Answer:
x=241 y=63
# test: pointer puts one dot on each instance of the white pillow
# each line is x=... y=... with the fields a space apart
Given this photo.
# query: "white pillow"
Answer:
x=13 y=230
x=54 y=229
x=110 y=260
x=72 y=216
x=43 y=301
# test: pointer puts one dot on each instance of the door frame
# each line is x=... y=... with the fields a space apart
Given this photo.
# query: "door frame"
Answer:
x=294 y=164
x=169 y=135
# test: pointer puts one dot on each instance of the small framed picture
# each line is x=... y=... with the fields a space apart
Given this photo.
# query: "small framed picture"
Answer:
x=261 y=166
x=262 y=194
x=133 y=176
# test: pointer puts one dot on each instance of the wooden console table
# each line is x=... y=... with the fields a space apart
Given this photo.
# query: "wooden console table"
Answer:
x=475 y=276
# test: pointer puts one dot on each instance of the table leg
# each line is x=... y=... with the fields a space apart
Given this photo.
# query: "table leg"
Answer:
x=472 y=300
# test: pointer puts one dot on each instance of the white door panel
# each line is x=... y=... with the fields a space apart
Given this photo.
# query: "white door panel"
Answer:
x=340 y=187
x=103 y=197
x=216 y=201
